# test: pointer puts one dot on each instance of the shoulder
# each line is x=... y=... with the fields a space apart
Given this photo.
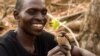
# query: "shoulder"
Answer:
x=7 y=42
x=3 y=47
x=45 y=33
x=3 y=51
x=7 y=38
x=47 y=36
x=48 y=39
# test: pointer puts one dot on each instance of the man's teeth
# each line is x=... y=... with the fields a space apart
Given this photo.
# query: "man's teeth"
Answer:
x=38 y=25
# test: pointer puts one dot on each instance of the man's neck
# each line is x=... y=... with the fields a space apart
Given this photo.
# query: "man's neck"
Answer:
x=25 y=39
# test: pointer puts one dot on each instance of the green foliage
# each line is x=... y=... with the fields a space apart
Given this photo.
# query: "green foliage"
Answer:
x=56 y=24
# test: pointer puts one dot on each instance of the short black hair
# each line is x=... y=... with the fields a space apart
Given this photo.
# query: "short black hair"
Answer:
x=19 y=4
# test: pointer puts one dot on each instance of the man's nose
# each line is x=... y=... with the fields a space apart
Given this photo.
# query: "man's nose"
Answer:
x=40 y=17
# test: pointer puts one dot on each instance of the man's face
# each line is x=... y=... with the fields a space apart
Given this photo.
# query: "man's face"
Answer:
x=32 y=17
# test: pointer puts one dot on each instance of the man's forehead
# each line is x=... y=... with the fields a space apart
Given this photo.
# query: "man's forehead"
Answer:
x=33 y=2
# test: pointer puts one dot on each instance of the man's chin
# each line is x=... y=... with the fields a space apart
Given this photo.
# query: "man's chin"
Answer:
x=38 y=33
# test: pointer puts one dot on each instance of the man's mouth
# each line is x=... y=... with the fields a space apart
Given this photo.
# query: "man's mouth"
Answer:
x=37 y=26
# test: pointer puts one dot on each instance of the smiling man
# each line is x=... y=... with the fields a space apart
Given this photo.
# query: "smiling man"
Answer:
x=30 y=39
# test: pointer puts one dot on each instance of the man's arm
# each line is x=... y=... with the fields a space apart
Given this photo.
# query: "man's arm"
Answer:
x=81 y=52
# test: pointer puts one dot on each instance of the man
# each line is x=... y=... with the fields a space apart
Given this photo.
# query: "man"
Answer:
x=30 y=39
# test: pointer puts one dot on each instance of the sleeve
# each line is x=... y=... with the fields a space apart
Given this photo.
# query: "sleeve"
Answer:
x=3 y=51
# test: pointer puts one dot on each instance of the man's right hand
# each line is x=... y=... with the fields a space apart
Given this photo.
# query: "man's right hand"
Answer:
x=58 y=51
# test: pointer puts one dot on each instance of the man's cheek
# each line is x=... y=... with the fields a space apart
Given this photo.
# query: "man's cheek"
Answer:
x=45 y=20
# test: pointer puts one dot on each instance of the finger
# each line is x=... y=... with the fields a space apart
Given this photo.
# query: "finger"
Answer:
x=59 y=54
x=54 y=50
x=65 y=47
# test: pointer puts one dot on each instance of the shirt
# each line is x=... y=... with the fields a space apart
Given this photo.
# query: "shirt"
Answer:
x=9 y=45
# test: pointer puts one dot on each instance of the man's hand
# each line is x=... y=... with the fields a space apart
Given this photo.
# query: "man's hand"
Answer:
x=58 y=51
x=63 y=51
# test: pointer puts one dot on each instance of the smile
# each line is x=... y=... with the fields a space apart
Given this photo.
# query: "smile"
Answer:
x=38 y=26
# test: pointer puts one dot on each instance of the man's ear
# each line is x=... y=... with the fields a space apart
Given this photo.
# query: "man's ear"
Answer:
x=16 y=14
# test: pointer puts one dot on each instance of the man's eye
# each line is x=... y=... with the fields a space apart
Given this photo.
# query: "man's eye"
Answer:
x=44 y=12
x=31 y=12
